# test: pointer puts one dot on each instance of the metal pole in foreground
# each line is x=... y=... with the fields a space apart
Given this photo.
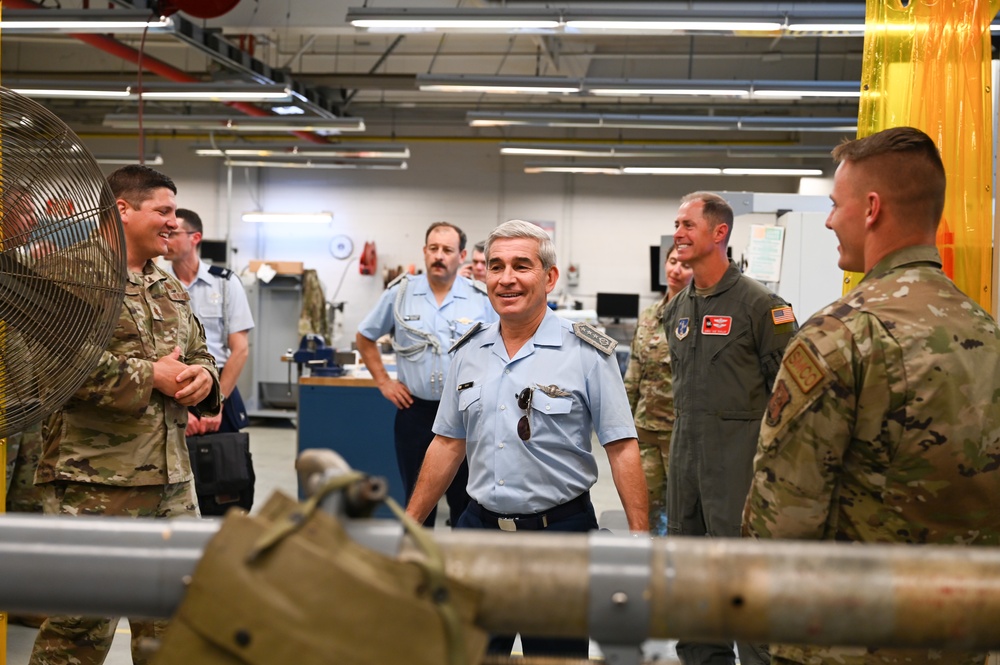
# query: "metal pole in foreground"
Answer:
x=690 y=588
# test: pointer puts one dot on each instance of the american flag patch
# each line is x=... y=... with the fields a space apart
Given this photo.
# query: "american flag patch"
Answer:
x=782 y=315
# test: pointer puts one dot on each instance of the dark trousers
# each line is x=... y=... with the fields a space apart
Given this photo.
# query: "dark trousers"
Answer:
x=582 y=522
x=413 y=436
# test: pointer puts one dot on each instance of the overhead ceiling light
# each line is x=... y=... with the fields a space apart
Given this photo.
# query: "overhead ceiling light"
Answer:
x=150 y=160
x=216 y=92
x=805 y=89
x=676 y=88
x=40 y=21
x=258 y=217
x=803 y=172
x=671 y=170
x=676 y=122
x=725 y=19
x=629 y=150
x=354 y=151
x=408 y=19
x=360 y=164
x=572 y=168
x=531 y=85
x=606 y=169
x=248 y=124
x=70 y=89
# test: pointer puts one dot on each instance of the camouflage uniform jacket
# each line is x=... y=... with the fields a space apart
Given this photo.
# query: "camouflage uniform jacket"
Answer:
x=647 y=379
x=882 y=426
x=117 y=430
x=725 y=351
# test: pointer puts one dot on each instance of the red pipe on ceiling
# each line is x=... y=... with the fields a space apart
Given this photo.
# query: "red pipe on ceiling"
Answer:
x=167 y=71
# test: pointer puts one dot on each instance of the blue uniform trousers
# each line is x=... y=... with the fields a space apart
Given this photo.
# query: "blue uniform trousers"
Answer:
x=413 y=436
x=581 y=522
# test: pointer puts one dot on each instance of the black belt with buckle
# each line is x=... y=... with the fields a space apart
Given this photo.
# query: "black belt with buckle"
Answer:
x=535 y=522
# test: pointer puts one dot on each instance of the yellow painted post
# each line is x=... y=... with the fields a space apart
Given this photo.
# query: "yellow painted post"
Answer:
x=3 y=447
x=927 y=65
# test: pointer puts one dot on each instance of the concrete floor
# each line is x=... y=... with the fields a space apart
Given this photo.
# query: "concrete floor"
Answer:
x=273 y=444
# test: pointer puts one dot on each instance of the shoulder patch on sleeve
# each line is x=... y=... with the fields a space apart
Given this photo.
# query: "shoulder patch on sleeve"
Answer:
x=469 y=334
x=595 y=338
x=219 y=271
x=802 y=365
x=782 y=314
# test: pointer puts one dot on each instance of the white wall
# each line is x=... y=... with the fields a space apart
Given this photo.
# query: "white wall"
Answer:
x=604 y=224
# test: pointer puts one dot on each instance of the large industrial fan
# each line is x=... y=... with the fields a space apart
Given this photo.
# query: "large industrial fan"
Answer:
x=62 y=263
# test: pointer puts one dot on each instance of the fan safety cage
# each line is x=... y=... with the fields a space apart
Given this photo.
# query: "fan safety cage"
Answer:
x=62 y=263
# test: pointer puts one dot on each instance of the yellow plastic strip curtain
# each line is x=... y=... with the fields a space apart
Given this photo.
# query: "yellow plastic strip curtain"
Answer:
x=927 y=65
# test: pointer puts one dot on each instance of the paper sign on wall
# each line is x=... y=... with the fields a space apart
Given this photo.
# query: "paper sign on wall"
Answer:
x=764 y=252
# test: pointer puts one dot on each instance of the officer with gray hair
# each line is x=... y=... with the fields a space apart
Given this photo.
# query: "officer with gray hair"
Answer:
x=521 y=399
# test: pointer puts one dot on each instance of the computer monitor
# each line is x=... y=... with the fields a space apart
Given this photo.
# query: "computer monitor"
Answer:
x=656 y=277
x=617 y=306
x=215 y=251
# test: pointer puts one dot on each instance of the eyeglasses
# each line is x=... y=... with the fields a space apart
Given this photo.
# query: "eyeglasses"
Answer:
x=174 y=234
x=524 y=403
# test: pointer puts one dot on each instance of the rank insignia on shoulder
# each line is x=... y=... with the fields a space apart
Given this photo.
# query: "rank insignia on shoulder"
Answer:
x=466 y=337
x=595 y=338
x=803 y=366
x=465 y=386
x=683 y=328
x=479 y=286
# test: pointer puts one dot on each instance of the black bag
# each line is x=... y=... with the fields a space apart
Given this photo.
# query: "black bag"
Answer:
x=223 y=471
x=234 y=413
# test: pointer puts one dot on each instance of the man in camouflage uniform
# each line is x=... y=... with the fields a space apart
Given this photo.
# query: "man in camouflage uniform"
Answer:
x=120 y=447
x=882 y=423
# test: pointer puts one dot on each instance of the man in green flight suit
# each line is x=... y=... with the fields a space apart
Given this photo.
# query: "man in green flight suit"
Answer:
x=882 y=426
x=726 y=334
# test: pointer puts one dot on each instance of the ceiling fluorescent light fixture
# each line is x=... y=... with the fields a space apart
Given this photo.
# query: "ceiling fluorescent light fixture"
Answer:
x=288 y=217
x=355 y=164
x=673 y=25
x=216 y=92
x=804 y=89
x=62 y=21
x=643 y=121
x=342 y=150
x=69 y=89
x=671 y=170
x=776 y=171
x=517 y=85
x=242 y=124
x=124 y=160
x=678 y=150
x=406 y=19
x=572 y=168
x=667 y=88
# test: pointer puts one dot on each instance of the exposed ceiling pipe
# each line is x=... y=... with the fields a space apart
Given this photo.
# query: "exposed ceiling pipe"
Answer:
x=169 y=72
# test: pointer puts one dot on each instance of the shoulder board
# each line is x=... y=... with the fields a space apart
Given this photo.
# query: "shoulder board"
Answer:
x=219 y=271
x=399 y=278
x=595 y=338
x=469 y=334
x=478 y=286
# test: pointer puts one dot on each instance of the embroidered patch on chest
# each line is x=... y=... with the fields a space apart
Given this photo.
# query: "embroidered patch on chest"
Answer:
x=682 y=329
x=803 y=367
x=716 y=325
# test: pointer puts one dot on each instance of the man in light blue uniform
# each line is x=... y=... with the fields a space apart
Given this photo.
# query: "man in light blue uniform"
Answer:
x=426 y=315
x=521 y=400
x=220 y=303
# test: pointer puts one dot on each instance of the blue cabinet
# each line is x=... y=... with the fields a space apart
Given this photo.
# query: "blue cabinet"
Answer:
x=350 y=416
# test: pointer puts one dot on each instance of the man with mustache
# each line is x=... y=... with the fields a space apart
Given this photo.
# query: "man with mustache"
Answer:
x=426 y=314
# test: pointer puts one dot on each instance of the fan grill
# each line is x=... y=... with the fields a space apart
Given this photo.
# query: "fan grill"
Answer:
x=62 y=263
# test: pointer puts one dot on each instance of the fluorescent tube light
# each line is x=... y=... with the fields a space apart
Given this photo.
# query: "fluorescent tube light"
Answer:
x=150 y=160
x=571 y=168
x=217 y=92
x=288 y=217
x=355 y=151
x=62 y=21
x=671 y=170
x=643 y=121
x=356 y=164
x=761 y=171
x=519 y=85
x=240 y=124
x=673 y=26
x=45 y=92
x=623 y=150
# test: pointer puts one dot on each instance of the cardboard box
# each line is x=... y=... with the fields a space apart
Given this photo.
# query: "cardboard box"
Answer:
x=280 y=267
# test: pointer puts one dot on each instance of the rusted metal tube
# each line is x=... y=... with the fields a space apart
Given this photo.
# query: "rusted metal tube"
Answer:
x=698 y=588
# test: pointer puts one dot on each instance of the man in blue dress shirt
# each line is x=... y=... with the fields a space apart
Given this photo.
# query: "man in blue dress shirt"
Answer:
x=426 y=315
x=521 y=399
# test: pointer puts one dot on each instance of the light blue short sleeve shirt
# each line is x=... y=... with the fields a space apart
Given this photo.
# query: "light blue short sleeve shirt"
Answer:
x=556 y=464
x=423 y=372
x=213 y=298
